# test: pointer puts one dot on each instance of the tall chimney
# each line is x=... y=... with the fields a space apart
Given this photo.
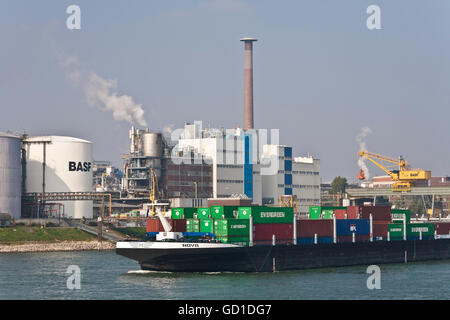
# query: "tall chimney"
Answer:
x=248 y=82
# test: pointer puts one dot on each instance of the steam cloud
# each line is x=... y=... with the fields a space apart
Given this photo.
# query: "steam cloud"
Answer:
x=362 y=147
x=102 y=93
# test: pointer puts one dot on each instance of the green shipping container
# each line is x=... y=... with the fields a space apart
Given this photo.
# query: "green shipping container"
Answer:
x=263 y=214
x=327 y=214
x=412 y=229
x=314 y=212
x=398 y=215
x=231 y=227
x=244 y=212
x=333 y=208
x=192 y=225
x=217 y=212
x=207 y=225
x=234 y=240
x=188 y=213
x=203 y=213
x=395 y=230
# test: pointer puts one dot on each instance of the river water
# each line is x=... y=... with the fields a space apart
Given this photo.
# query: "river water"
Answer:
x=105 y=275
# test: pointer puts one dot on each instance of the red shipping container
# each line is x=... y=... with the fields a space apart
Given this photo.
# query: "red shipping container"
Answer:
x=178 y=225
x=340 y=213
x=307 y=228
x=352 y=212
x=380 y=229
x=377 y=212
x=265 y=231
x=442 y=227
x=152 y=225
x=155 y=225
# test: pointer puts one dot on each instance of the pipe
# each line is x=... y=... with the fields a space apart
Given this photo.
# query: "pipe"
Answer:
x=295 y=229
x=371 y=227
x=334 y=229
x=404 y=227
x=250 y=242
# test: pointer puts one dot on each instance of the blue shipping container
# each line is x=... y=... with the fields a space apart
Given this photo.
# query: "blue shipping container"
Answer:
x=346 y=227
x=305 y=240
x=311 y=240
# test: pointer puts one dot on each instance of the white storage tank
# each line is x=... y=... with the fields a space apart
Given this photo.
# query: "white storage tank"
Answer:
x=10 y=175
x=60 y=164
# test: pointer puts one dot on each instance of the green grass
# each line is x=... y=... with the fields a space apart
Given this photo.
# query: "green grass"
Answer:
x=23 y=234
x=135 y=232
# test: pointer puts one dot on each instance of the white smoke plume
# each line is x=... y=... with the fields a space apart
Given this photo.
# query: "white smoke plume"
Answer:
x=102 y=93
x=362 y=147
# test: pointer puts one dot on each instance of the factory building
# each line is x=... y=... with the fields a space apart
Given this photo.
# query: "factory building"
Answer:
x=295 y=176
x=182 y=174
x=226 y=149
x=148 y=150
x=54 y=164
x=188 y=179
x=241 y=164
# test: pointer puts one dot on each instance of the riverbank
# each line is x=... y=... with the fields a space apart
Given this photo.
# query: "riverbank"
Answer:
x=56 y=246
x=36 y=234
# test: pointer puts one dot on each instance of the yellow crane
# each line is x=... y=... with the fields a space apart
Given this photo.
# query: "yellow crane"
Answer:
x=403 y=178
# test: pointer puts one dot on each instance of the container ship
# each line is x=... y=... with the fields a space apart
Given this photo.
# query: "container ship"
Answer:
x=267 y=239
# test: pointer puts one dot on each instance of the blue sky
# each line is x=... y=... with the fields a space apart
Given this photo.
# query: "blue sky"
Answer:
x=320 y=74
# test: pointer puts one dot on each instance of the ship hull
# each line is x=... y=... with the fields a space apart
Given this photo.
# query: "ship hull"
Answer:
x=284 y=257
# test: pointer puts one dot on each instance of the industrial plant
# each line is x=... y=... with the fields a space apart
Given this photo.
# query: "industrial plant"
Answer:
x=55 y=176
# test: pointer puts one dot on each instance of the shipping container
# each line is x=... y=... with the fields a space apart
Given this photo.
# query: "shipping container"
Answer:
x=244 y=212
x=264 y=214
x=327 y=214
x=314 y=212
x=152 y=225
x=307 y=228
x=265 y=231
x=349 y=238
x=399 y=214
x=332 y=208
x=232 y=227
x=380 y=229
x=340 y=213
x=155 y=225
x=179 y=225
x=203 y=213
x=395 y=230
x=412 y=229
x=311 y=240
x=186 y=213
x=305 y=240
x=234 y=240
x=442 y=228
x=192 y=225
x=377 y=212
x=352 y=212
x=217 y=212
x=349 y=226
x=207 y=225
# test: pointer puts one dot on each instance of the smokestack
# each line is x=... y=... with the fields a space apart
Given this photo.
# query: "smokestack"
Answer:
x=248 y=82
